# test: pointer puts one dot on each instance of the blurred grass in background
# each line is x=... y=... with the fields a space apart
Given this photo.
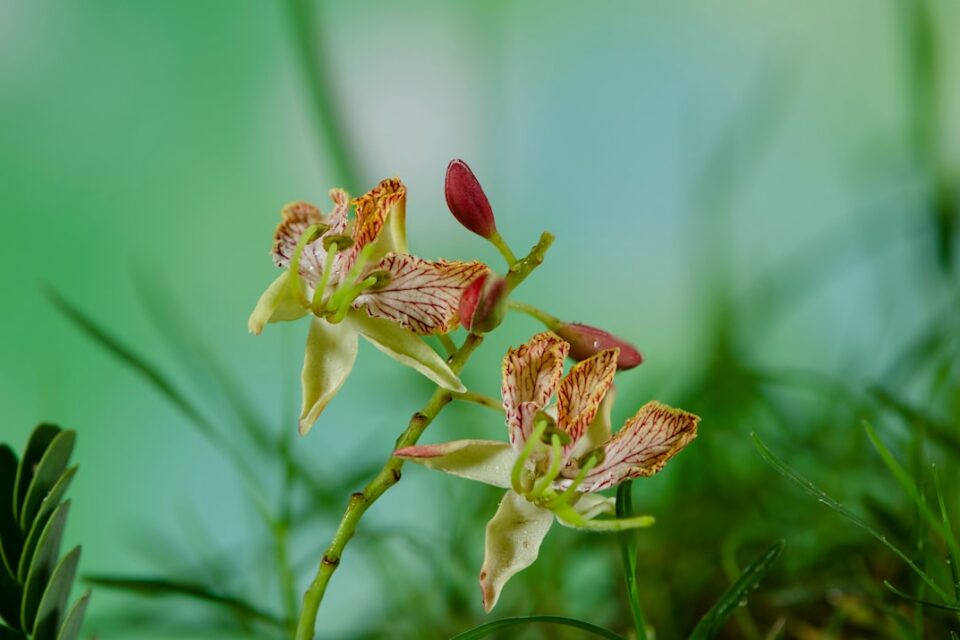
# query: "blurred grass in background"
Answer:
x=762 y=196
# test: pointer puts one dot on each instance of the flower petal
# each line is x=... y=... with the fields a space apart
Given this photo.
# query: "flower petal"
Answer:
x=513 y=541
x=406 y=348
x=600 y=430
x=297 y=216
x=276 y=304
x=645 y=443
x=385 y=203
x=331 y=351
x=421 y=295
x=531 y=373
x=581 y=392
x=486 y=461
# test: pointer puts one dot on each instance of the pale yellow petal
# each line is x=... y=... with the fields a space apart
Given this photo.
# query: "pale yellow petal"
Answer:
x=330 y=354
x=486 y=461
x=276 y=304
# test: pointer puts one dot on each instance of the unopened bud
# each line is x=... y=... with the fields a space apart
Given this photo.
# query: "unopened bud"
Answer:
x=586 y=341
x=483 y=303
x=467 y=201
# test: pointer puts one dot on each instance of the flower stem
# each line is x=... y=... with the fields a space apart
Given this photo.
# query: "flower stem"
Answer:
x=628 y=553
x=533 y=312
x=388 y=476
x=479 y=398
x=497 y=240
x=448 y=345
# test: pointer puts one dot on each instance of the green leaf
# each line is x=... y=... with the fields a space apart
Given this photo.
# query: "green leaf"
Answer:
x=30 y=546
x=53 y=605
x=6 y=633
x=53 y=498
x=736 y=595
x=486 y=629
x=48 y=472
x=43 y=564
x=164 y=587
x=11 y=538
x=71 y=626
x=9 y=600
x=40 y=439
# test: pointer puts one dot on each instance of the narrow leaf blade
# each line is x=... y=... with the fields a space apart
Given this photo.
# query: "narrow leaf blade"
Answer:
x=484 y=630
x=71 y=626
x=43 y=564
x=37 y=445
x=51 y=467
x=53 y=605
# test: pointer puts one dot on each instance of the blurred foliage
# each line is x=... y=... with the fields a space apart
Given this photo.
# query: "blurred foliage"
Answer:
x=718 y=505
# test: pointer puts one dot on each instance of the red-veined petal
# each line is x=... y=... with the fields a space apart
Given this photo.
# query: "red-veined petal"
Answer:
x=486 y=461
x=531 y=373
x=581 y=392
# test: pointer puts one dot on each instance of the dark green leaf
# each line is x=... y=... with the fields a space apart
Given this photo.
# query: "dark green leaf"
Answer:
x=736 y=595
x=56 y=493
x=11 y=538
x=164 y=587
x=9 y=600
x=71 y=626
x=30 y=546
x=53 y=605
x=6 y=633
x=48 y=472
x=43 y=564
x=486 y=629
x=40 y=439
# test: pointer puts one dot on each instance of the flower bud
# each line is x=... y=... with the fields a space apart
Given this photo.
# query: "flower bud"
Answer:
x=586 y=341
x=466 y=200
x=483 y=303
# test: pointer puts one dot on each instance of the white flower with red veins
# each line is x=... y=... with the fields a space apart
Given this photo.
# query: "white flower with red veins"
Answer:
x=354 y=276
x=559 y=456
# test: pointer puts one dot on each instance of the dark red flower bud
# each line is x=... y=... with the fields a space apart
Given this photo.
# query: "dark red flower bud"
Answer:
x=586 y=341
x=467 y=201
x=483 y=303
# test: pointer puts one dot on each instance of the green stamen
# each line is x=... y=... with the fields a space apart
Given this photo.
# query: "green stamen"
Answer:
x=556 y=460
x=566 y=498
x=336 y=300
x=516 y=475
x=309 y=235
x=354 y=291
x=317 y=304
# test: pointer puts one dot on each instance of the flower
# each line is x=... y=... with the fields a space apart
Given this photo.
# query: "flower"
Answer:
x=467 y=201
x=586 y=341
x=354 y=277
x=484 y=303
x=558 y=457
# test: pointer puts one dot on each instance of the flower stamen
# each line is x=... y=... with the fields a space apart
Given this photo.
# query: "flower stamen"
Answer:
x=556 y=461
x=516 y=474
x=309 y=235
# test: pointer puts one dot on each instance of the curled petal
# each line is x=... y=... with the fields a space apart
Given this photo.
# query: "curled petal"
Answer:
x=276 y=304
x=341 y=208
x=531 y=373
x=420 y=295
x=297 y=216
x=406 y=348
x=645 y=443
x=486 y=461
x=581 y=392
x=514 y=536
x=331 y=351
x=386 y=201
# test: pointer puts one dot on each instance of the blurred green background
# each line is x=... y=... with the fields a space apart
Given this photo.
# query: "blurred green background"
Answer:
x=754 y=193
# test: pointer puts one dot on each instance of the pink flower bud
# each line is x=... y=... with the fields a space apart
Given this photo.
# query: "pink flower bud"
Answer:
x=586 y=341
x=466 y=200
x=483 y=303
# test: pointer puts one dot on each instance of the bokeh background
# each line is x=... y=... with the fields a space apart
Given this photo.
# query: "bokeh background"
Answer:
x=762 y=196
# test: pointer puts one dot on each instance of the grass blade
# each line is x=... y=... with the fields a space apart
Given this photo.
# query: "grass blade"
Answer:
x=487 y=628
x=163 y=587
x=795 y=477
x=734 y=597
x=628 y=557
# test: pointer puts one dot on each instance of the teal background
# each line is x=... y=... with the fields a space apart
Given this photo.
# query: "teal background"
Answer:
x=155 y=142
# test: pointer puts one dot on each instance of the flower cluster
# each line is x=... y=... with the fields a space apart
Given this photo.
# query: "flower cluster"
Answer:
x=353 y=276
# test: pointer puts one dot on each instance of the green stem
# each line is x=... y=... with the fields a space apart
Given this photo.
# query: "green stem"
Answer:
x=448 y=344
x=497 y=240
x=479 y=398
x=389 y=475
x=628 y=554
x=534 y=312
